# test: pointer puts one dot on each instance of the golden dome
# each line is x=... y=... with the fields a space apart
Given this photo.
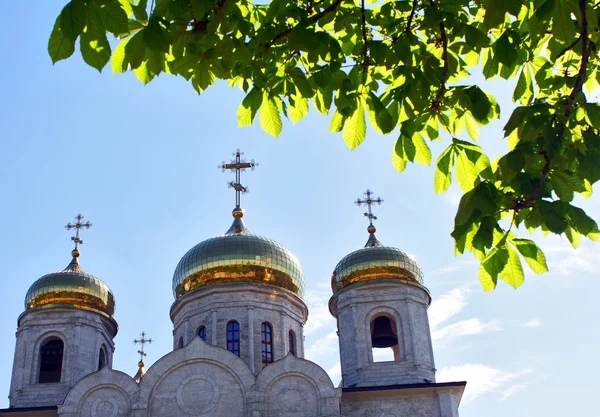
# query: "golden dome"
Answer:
x=238 y=256
x=375 y=261
x=72 y=287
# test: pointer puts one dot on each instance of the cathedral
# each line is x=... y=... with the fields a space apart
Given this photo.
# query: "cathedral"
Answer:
x=238 y=343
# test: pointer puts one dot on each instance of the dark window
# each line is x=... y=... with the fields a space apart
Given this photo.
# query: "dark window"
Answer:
x=51 y=356
x=180 y=344
x=101 y=358
x=266 y=336
x=202 y=333
x=233 y=337
x=292 y=343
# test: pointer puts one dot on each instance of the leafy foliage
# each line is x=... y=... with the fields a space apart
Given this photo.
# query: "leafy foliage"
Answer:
x=401 y=65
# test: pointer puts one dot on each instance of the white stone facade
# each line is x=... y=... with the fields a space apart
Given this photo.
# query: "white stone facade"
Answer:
x=205 y=379
x=84 y=333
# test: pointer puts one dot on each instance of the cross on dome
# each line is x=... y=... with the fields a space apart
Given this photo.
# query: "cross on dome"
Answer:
x=238 y=165
x=369 y=201
x=142 y=341
x=77 y=226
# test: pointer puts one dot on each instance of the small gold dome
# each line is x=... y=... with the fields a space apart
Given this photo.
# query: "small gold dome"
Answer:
x=375 y=261
x=72 y=287
x=238 y=256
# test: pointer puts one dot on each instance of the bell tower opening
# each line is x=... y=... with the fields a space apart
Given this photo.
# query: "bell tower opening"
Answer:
x=51 y=358
x=384 y=339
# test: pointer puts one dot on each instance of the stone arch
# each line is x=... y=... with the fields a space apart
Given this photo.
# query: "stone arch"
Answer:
x=291 y=385
x=105 y=393
x=399 y=321
x=39 y=342
x=174 y=381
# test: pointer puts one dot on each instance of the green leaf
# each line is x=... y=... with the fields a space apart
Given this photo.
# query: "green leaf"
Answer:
x=156 y=37
x=270 y=118
x=73 y=19
x=512 y=273
x=299 y=110
x=398 y=162
x=135 y=50
x=563 y=27
x=443 y=171
x=573 y=236
x=466 y=173
x=143 y=73
x=532 y=254
x=492 y=266
x=114 y=18
x=566 y=184
x=524 y=90
x=127 y=5
x=119 y=62
x=337 y=122
x=94 y=45
x=355 y=127
x=423 y=153
x=199 y=8
x=59 y=46
x=472 y=127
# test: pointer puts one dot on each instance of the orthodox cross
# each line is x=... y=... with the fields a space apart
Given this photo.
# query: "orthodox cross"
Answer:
x=238 y=165
x=77 y=226
x=142 y=342
x=369 y=201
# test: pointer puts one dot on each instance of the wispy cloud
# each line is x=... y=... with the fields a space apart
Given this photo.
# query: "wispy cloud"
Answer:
x=456 y=266
x=482 y=379
x=466 y=328
x=532 y=323
x=318 y=306
x=447 y=305
x=335 y=373
x=322 y=347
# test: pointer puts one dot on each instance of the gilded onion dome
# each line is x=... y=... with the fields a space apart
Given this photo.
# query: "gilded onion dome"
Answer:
x=71 y=287
x=375 y=261
x=238 y=256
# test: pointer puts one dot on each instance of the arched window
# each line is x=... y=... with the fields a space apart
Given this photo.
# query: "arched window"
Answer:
x=180 y=344
x=51 y=357
x=292 y=339
x=384 y=339
x=101 y=358
x=233 y=337
x=202 y=333
x=266 y=337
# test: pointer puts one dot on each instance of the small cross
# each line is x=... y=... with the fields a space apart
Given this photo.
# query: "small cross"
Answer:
x=142 y=342
x=369 y=202
x=77 y=226
x=238 y=165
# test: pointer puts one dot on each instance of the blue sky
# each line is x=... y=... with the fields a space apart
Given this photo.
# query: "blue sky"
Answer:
x=141 y=164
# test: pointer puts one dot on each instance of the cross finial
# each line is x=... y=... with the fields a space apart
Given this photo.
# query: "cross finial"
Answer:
x=238 y=165
x=142 y=341
x=369 y=201
x=77 y=226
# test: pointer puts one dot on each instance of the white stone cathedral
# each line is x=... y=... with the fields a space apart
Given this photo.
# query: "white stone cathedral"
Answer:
x=238 y=344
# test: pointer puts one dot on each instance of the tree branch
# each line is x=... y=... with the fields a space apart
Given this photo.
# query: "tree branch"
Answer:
x=585 y=56
x=365 y=63
x=314 y=18
x=411 y=16
x=435 y=105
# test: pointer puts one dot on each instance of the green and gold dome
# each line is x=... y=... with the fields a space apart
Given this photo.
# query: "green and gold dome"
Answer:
x=375 y=261
x=71 y=287
x=238 y=256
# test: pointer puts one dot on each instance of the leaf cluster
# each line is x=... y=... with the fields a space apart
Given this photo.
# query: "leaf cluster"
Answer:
x=399 y=67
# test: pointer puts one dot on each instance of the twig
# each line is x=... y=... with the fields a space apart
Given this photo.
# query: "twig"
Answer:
x=411 y=16
x=435 y=105
x=568 y=48
x=314 y=18
x=585 y=56
x=365 y=63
